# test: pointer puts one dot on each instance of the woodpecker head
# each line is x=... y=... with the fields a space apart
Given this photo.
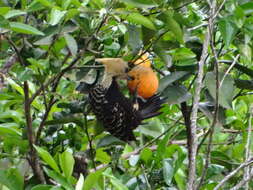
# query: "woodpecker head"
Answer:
x=114 y=67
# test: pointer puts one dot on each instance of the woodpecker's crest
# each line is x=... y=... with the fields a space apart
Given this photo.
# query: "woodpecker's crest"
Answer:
x=114 y=67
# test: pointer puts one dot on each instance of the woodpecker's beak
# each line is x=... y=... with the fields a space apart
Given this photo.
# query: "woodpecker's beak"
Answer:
x=108 y=61
x=104 y=61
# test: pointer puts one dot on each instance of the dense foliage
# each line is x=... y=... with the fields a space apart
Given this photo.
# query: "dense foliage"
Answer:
x=50 y=140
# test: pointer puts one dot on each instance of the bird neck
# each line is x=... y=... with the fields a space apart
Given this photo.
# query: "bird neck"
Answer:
x=107 y=80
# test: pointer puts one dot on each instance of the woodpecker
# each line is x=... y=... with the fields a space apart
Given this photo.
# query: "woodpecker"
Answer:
x=119 y=114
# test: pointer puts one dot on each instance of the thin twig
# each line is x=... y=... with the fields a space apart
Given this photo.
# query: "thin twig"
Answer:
x=33 y=159
x=193 y=129
x=9 y=63
x=145 y=177
x=92 y=151
x=216 y=108
x=229 y=69
x=231 y=174
x=219 y=9
x=20 y=59
x=234 y=131
x=45 y=116
x=197 y=27
x=244 y=181
x=186 y=111
x=247 y=149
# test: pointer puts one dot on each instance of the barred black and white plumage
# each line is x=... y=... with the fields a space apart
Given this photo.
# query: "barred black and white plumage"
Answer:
x=117 y=113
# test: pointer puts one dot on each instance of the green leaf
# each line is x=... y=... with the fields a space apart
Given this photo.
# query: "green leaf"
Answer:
x=133 y=160
x=161 y=149
x=183 y=54
x=176 y=94
x=134 y=40
x=71 y=14
x=42 y=187
x=14 y=13
x=91 y=179
x=59 y=179
x=11 y=114
x=4 y=24
x=147 y=35
x=226 y=91
x=239 y=16
x=115 y=182
x=67 y=163
x=137 y=18
x=169 y=79
x=146 y=155
x=80 y=183
x=4 y=10
x=108 y=140
x=168 y=171
x=65 y=4
x=47 y=158
x=172 y=25
x=102 y=156
x=247 y=7
x=71 y=43
x=9 y=129
x=12 y=179
x=15 y=86
x=140 y=3
x=244 y=84
x=180 y=179
x=56 y=16
x=163 y=54
x=44 y=41
x=46 y=3
x=228 y=30
x=24 y=28
x=246 y=53
x=154 y=128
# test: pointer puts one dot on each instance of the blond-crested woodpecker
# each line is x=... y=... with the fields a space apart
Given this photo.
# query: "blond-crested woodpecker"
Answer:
x=118 y=114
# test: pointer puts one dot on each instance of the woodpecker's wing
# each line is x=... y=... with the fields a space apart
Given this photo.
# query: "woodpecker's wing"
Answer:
x=123 y=118
x=118 y=114
x=150 y=107
x=130 y=114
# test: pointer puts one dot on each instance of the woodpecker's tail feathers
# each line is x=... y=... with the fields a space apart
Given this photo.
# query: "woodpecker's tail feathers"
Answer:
x=150 y=107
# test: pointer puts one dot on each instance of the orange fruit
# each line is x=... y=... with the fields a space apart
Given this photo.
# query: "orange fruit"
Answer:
x=143 y=61
x=145 y=81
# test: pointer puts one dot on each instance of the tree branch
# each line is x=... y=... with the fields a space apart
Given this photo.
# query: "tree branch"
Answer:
x=33 y=158
x=192 y=151
x=216 y=108
x=16 y=50
x=231 y=174
x=244 y=181
x=42 y=123
x=247 y=149
x=92 y=151
x=193 y=129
